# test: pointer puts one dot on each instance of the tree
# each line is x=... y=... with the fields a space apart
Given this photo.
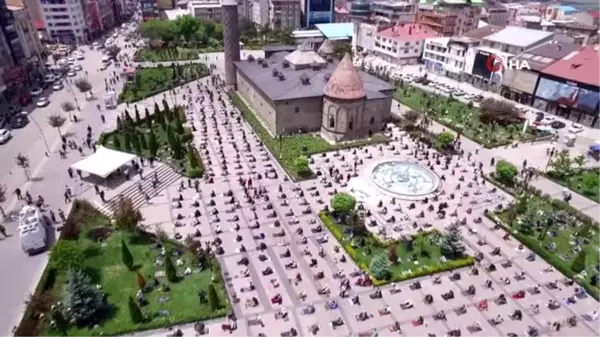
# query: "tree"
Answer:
x=23 y=162
x=66 y=254
x=411 y=117
x=452 y=245
x=175 y=144
x=178 y=126
x=116 y=141
x=562 y=164
x=343 y=203
x=380 y=267
x=506 y=172
x=522 y=205
x=187 y=26
x=578 y=264
x=213 y=299
x=68 y=107
x=590 y=181
x=301 y=163
x=126 y=256
x=140 y=281
x=2 y=199
x=142 y=141
x=113 y=51
x=127 y=141
x=152 y=144
x=421 y=245
x=135 y=313
x=192 y=158
x=57 y=121
x=498 y=111
x=170 y=270
x=126 y=216
x=393 y=253
x=580 y=162
x=160 y=30
x=84 y=302
x=445 y=139
x=138 y=119
x=147 y=118
x=84 y=86
x=135 y=142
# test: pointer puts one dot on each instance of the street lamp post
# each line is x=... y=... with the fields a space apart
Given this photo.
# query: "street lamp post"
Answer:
x=43 y=137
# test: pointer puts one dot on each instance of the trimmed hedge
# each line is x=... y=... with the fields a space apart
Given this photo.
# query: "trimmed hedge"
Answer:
x=419 y=272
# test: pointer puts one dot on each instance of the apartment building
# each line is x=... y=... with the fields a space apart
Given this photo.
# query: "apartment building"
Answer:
x=495 y=14
x=206 y=10
x=447 y=56
x=393 y=12
x=30 y=42
x=149 y=9
x=33 y=10
x=402 y=44
x=449 y=17
x=65 y=21
x=259 y=12
x=285 y=14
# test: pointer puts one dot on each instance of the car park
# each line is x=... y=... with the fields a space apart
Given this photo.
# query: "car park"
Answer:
x=42 y=102
x=36 y=91
x=575 y=128
x=4 y=136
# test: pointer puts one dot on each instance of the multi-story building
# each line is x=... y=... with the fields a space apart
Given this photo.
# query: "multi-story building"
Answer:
x=317 y=11
x=33 y=9
x=206 y=10
x=589 y=18
x=447 y=56
x=363 y=38
x=495 y=14
x=402 y=44
x=449 y=17
x=65 y=21
x=30 y=41
x=360 y=11
x=342 y=14
x=165 y=4
x=284 y=14
x=579 y=32
x=393 y=12
x=259 y=12
x=149 y=9
x=559 y=12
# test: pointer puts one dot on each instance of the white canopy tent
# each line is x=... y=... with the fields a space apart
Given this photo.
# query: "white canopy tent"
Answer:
x=103 y=162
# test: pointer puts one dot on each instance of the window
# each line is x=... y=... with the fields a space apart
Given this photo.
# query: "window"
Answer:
x=297 y=109
x=331 y=122
x=372 y=120
x=350 y=125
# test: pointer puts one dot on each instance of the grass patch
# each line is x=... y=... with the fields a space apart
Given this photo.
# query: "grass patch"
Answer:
x=462 y=118
x=151 y=81
x=586 y=183
x=167 y=54
x=104 y=264
x=581 y=229
x=412 y=265
x=288 y=148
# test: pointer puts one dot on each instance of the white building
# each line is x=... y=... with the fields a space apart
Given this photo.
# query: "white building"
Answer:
x=363 y=37
x=259 y=12
x=209 y=10
x=448 y=56
x=65 y=20
x=402 y=44
x=284 y=14
x=515 y=40
x=396 y=12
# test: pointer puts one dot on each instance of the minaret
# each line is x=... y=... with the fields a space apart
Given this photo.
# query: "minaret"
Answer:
x=231 y=39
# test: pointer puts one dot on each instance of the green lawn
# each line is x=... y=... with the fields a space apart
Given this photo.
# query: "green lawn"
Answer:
x=577 y=183
x=167 y=54
x=289 y=148
x=578 y=227
x=104 y=264
x=461 y=118
x=151 y=81
x=413 y=264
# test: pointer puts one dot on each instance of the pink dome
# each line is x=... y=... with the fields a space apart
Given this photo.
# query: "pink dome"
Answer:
x=345 y=82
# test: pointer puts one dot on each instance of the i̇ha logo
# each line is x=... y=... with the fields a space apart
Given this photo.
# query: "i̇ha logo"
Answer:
x=496 y=64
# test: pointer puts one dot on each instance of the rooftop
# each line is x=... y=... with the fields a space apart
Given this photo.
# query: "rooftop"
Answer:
x=574 y=25
x=594 y=13
x=450 y=2
x=481 y=32
x=345 y=82
x=336 y=31
x=292 y=87
x=408 y=32
x=174 y=14
x=542 y=56
x=14 y=8
x=518 y=36
x=581 y=66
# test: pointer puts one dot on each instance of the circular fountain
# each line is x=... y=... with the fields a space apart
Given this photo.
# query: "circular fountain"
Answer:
x=404 y=180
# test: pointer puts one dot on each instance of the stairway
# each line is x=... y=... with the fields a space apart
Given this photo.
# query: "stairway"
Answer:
x=166 y=176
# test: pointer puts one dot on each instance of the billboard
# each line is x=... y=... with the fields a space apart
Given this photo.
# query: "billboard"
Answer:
x=521 y=80
x=568 y=95
x=319 y=11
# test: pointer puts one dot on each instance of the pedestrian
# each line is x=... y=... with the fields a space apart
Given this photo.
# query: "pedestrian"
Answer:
x=140 y=172
x=3 y=230
x=18 y=193
x=52 y=217
x=80 y=149
x=94 y=147
x=67 y=198
x=61 y=214
x=102 y=196
x=64 y=147
x=64 y=139
x=70 y=171
x=79 y=174
x=103 y=119
x=28 y=198
x=97 y=189
x=89 y=129
x=68 y=190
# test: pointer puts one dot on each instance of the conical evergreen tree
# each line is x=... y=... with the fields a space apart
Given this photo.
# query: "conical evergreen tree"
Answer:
x=147 y=118
x=142 y=141
x=178 y=126
x=140 y=280
x=127 y=142
x=170 y=270
x=152 y=144
x=116 y=141
x=452 y=243
x=135 y=313
x=138 y=119
x=135 y=143
x=85 y=301
x=380 y=267
x=126 y=256
x=213 y=299
x=578 y=264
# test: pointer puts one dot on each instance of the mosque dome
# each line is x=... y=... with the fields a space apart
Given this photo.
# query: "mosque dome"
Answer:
x=345 y=82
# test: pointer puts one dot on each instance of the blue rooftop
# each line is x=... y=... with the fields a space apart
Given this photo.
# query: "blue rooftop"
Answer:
x=336 y=31
x=566 y=9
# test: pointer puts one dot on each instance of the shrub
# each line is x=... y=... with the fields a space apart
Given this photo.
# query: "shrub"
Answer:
x=135 y=313
x=578 y=264
x=195 y=172
x=301 y=163
x=445 y=139
x=343 y=203
x=380 y=267
x=505 y=171
x=170 y=270
x=126 y=216
x=66 y=254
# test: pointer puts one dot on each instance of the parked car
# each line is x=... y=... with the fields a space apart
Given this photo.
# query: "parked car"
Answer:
x=19 y=122
x=79 y=56
x=558 y=125
x=78 y=67
x=57 y=86
x=478 y=98
x=575 y=128
x=36 y=91
x=49 y=78
x=547 y=120
x=14 y=110
x=4 y=136
x=42 y=102
x=71 y=73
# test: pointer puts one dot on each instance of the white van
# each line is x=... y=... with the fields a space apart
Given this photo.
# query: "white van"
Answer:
x=33 y=226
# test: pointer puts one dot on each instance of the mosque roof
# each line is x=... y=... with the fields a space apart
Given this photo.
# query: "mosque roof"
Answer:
x=345 y=82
